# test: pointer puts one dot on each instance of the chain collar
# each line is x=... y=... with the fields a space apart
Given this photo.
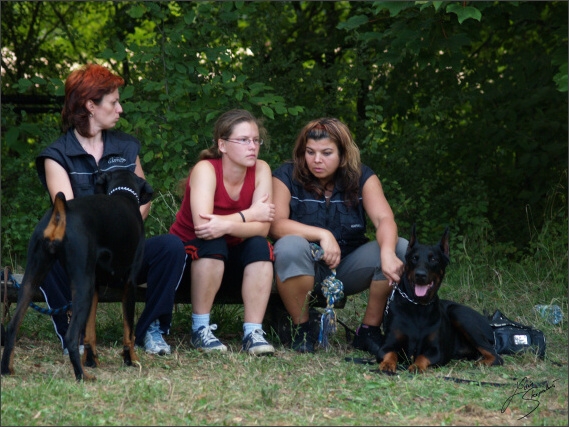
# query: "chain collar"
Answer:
x=128 y=190
x=404 y=295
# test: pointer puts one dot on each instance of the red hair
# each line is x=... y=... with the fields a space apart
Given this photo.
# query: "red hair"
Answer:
x=91 y=82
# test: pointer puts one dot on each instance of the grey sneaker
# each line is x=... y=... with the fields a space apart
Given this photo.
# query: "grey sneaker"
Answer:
x=256 y=345
x=81 y=350
x=204 y=340
x=154 y=342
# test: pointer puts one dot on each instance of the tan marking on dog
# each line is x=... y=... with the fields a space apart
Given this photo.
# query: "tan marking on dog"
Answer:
x=488 y=358
x=389 y=362
x=420 y=365
x=55 y=230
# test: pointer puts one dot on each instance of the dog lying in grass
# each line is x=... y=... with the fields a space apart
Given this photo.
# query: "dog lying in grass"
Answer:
x=425 y=329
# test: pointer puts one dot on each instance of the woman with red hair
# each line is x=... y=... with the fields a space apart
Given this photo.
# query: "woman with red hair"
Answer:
x=71 y=164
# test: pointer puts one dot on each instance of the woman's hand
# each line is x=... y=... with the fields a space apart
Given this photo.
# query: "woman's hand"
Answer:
x=391 y=266
x=332 y=252
x=261 y=210
x=215 y=227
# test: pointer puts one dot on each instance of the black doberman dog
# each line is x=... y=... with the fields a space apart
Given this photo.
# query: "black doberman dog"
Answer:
x=424 y=329
x=96 y=238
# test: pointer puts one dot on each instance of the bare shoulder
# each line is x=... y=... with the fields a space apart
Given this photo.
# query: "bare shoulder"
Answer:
x=263 y=168
x=263 y=165
x=203 y=167
x=203 y=175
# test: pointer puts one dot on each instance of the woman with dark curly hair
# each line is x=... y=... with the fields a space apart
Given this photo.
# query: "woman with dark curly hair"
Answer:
x=322 y=197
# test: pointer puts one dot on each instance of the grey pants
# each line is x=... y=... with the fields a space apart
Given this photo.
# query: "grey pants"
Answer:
x=356 y=271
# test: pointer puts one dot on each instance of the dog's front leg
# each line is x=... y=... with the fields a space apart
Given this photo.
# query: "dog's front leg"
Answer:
x=420 y=364
x=489 y=358
x=90 y=356
x=389 y=362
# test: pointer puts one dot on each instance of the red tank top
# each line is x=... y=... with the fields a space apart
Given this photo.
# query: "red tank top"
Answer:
x=183 y=226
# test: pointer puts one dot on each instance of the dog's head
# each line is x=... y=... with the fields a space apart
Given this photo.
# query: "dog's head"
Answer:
x=108 y=182
x=425 y=267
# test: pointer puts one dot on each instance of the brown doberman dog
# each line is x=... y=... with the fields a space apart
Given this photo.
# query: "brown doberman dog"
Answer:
x=424 y=329
x=96 y=238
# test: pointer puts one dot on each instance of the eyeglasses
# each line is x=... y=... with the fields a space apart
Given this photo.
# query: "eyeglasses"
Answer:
x=245 y=141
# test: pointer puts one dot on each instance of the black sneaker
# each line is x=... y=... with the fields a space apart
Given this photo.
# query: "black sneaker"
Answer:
x=302 y=340
x=368 y=338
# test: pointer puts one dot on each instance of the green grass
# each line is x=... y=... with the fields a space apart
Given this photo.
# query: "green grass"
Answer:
x=190 y=388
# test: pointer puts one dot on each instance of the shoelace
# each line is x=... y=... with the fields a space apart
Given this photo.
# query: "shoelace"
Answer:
x=156 y=335
x=207 y=336
x=154 y=329
x=257 y=336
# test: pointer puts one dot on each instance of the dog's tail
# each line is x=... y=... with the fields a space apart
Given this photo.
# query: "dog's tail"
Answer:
x=55 y=230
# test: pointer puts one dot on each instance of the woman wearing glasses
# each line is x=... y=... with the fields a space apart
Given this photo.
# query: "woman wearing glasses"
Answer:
x=223 y=221
x=323 y=196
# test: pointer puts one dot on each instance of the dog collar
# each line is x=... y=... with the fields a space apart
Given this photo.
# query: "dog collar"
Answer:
x=129 y=190
x=403 y=294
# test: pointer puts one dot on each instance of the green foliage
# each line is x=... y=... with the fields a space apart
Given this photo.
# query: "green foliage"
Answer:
x=459 y=107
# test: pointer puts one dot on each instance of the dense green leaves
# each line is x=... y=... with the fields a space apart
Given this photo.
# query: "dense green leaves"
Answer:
x=460 y=107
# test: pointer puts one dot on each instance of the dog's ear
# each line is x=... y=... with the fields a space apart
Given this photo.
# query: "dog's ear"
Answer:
x=413 y=238
x=444 y=244
x=146 y=190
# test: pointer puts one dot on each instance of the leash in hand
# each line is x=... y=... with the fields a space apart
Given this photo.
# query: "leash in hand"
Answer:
x=333 y=291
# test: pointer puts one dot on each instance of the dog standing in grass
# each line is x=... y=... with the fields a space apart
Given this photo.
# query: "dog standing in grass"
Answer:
x=425 y=329
x=94 y=237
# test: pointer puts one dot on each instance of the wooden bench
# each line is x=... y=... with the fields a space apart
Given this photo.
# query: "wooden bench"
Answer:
x=111 y=294
x=276 y=316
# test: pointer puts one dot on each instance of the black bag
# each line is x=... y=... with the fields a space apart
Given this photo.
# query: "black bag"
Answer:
x=512 y=338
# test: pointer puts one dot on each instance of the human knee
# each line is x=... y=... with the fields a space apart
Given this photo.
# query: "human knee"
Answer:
x=256 y=249
x=288 y=248
x=401 y=248
x=172 y=245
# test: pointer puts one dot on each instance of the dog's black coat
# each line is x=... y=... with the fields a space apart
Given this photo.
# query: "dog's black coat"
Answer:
x=424 y=329
x=95 y=238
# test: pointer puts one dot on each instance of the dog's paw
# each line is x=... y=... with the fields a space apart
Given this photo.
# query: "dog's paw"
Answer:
x=388 y=367
x=9 y=371
x=90 y=359
x=414 y=369
x=89 y=377
x=420 y=364
x=389 y=362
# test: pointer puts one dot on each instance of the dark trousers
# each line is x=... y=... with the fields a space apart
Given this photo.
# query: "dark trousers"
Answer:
x=235 y=259
x=162 y=270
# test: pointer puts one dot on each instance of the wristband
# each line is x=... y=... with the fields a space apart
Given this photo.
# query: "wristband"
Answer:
x=242 y=216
